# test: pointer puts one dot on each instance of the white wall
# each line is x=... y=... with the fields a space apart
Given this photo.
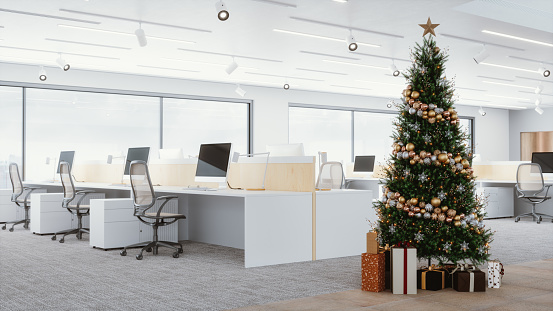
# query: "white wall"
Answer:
x=270 y=104
x=527 y=121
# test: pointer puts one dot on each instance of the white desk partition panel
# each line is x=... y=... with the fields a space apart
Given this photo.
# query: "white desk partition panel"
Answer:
x=342 y=222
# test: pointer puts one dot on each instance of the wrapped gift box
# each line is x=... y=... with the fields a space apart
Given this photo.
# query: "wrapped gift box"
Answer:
x=404 y=270
x=470 y=280
x=372 y=243
x=495 y=274
x=449 y=268
x=387 y=279
x=372 y=272
x=432 y=279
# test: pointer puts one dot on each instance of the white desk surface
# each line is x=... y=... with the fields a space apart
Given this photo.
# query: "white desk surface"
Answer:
x=177 y=189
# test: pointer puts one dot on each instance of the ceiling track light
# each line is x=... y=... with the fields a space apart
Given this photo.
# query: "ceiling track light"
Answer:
x=222 y=12
x=538 y=110
x=538 y=89
x=141 y=36
x=393 y=69
x=543 y=71
x=480 y=57
x=62 y=63
x=538 y=102
x=42 y=74
x=231 y=67
x=240 y=91
x=481 y=111
x=352 y=44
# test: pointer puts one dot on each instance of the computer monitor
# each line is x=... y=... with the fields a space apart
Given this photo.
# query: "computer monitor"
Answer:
x=364 y=164
x=213 y=162
x=134 y=154
x=286 y=150
x=545 y=160
x=66 y=156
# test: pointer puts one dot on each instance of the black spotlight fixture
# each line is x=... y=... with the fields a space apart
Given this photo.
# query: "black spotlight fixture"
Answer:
x=222 y=12
x=286 y=86
x=42 y=74
x=352 y=44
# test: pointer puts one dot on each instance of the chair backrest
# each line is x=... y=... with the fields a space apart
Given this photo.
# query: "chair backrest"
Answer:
x=331 y=176
x=530 y=178
x=143 y=193
x=17 y=185
x=67 y=184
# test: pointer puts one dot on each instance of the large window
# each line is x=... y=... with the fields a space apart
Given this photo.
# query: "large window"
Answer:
x=322 y=130
x=11 y=129
x=188 y=123
x=94 y=125
x=372 y=134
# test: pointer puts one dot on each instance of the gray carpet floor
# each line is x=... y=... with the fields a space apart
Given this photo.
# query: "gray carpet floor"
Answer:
x=39 y=274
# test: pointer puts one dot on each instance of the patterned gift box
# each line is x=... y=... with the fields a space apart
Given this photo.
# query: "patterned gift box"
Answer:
x=495 y=273
x=404 y=270
x=372 y=272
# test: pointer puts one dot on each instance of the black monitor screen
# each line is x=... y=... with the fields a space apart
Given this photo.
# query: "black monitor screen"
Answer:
x=213 y=160
x=363 y=164
x=545 y=160
x=66 y=156
x=134 y=154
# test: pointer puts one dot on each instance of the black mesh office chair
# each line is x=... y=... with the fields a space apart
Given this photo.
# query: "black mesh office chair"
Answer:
x=24 y=202
x=144 y=198
x=530 y=188
x=69 y=196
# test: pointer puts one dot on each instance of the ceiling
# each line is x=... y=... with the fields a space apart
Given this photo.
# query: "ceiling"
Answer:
x=259 y=34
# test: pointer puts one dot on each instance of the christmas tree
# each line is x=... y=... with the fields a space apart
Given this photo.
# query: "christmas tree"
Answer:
x=429 y=198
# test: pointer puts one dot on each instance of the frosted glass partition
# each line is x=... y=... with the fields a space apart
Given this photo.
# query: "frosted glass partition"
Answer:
x=188 y=123
x=11 y=99
x=372 y=134
x=92 y=124
x=322 y=130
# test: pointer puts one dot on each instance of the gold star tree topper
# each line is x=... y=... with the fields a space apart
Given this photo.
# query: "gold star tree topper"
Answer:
x=429 y=27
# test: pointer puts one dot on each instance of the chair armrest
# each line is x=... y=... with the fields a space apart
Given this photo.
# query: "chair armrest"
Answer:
x=83 y=194
x=84 y=191
x=29 y=193
x=30 y=188
x=167 y=198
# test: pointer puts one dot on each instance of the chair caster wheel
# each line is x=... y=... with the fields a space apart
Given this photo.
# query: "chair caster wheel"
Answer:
x=149 y=249
x=10 y=230
x=139 y=257
x=176 y=255
x=539 y=220
x=517 y=219
x=4 y=227
x=181 y=250
x=123 y=253
x=62 y=240
x=54 y=238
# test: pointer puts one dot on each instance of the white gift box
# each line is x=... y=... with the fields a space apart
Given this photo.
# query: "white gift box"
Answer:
x=404 y=270
x=495 y=274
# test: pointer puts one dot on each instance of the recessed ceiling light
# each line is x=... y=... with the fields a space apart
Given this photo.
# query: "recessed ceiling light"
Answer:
x=354 y=64
x=123 y=33
x=508 y=67
x=509 y=97
x=507 y=84
x=321 y=37
x=517 y=38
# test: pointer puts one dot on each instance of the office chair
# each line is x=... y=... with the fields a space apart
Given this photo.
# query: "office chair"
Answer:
x=331 y=176
x=18 y=188
x=69 y=196
x=530 y=187
x=144 y=198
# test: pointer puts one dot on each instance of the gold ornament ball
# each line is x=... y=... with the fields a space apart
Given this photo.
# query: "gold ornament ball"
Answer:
x=457 y=217
x=438 y=210
x=414 y=201
x=424 y=116
x=437 y=152
x=441 y=217
x=453 y=122
x=412 y=162
x=409 y=87
x=437 y=163
x=442 y=157
x=398 y=148
x=401 y=199
x=457 y=223
x=463 y=171
x=422 y=211
x=424 y=107
x=423 y=154
x=458 y=159
x=417 y=105
x=407 y=93
x=410 y=147
x=451 y=110
x=425 y=113
x=435 y=202
x=431 y=120
x=402 y=148
x=436 y=50
x=439 y=118
x=451 y=213
x=446 y=114
x=415 y=94
x=416 y=210
x=422 y=204
x=444 y=208
x=397 y=195
x=400 y=205
x=454 y=116
x=465 y=163
x=431 y=113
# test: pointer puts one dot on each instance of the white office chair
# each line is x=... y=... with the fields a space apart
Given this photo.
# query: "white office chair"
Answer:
x=530 y=188
x=331 y=176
